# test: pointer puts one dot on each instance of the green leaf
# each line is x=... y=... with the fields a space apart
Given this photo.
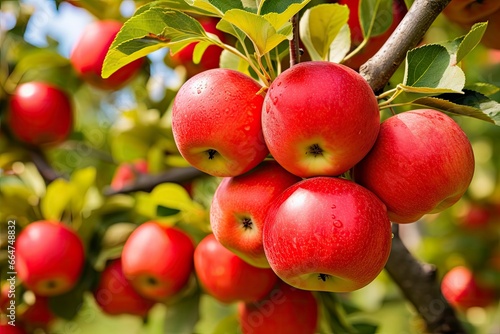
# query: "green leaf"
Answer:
x=259 y=29
x=199 y=49
x=319 y=27
x=365 y=328
x=429 y=66
x=214 y=316
x=471 y=40
x=218 y=7
x=183 y=315
x=472 y=104
x=375 y=16
x=57 y=199
x=280 y=12
x=81 y=180
x=232 y=61
x=483 y=88
x=228 y=325
x=341 y=45
x=163 y=211
x=180 y=5
x=149 y=31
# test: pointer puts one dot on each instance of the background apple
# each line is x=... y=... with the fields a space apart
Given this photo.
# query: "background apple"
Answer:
x=40 y=113
x=467 y=12
x=5 y=328
x=421 y=163
x=327 y=234
x=115 y=295
x=90 y=50
x=216 y=121
x=38 y=314
x=50 y=258
x=463 y=290
x=158 y=260
x=375 y=42
x=227 y=277
x=126 y=173
x=240 y=205
x=286 y=310
x=319 y=118
x=211 y=56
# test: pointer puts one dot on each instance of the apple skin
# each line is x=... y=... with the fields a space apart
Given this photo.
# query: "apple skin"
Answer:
x=211 y=56
x=50 y=258
x=115 y=295
x=38 y=314
x=90 y=50
x=227 y=277
x=319 y=118
x=240 y=205
x=5 y=328
x=466 y=13
x=421 y=163
x=327 y=234
x=40 y=113
x=126 y=173
x=285 y=310
x=374 y=43
x=158 y=260
x=216 y=122
x=463 y=290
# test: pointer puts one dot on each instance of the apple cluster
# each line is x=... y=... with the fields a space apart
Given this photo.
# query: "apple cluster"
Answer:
x=311 y=179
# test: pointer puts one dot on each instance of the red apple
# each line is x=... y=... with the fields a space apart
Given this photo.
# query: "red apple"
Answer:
x=319 y=118
x=239 y=207
x=115 y=295
x=38 y=314
x=50 y=258
x=375 y=42
x=327 y=234
x=211 y=56
x=5 y=328
x=463 y=290
x=421 y=163
x=90 y=50
x=477 y=216
x=467 y=12
x=40 y=113
x=158 y=260
x=126 y=173
x=285 y=311
x=216 y=121
x=227 y=277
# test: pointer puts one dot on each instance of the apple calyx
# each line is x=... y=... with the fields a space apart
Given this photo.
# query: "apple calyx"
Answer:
x=315 y=150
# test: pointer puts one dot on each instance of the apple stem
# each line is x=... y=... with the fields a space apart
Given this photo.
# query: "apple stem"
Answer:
x=294 y=42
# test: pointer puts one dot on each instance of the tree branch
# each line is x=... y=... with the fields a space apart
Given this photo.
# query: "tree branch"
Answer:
x=380 y=68
x=418 y=282
x=42 y=165
x=146 y=182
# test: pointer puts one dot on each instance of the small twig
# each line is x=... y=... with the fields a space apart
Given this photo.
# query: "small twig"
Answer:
x=380 y=68
x=146 y=182
x=294 y=42
x=44 y=168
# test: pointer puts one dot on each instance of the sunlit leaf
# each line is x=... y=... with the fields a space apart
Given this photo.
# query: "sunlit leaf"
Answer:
x=57 y=199
x=375 y=16
x=320 y=26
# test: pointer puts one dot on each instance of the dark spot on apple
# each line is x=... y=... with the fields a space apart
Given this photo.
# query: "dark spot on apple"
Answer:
x=51 y=284
x=211 y=153
x=324 y=277
x=247 y=224
x=152 y=281
x=315 y=150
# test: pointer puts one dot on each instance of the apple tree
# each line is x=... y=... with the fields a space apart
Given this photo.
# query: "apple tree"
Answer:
x=295 y=166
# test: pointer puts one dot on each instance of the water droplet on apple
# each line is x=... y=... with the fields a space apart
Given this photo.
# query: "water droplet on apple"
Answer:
x=278 y=83
x=337 y=223
x=247 y=128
